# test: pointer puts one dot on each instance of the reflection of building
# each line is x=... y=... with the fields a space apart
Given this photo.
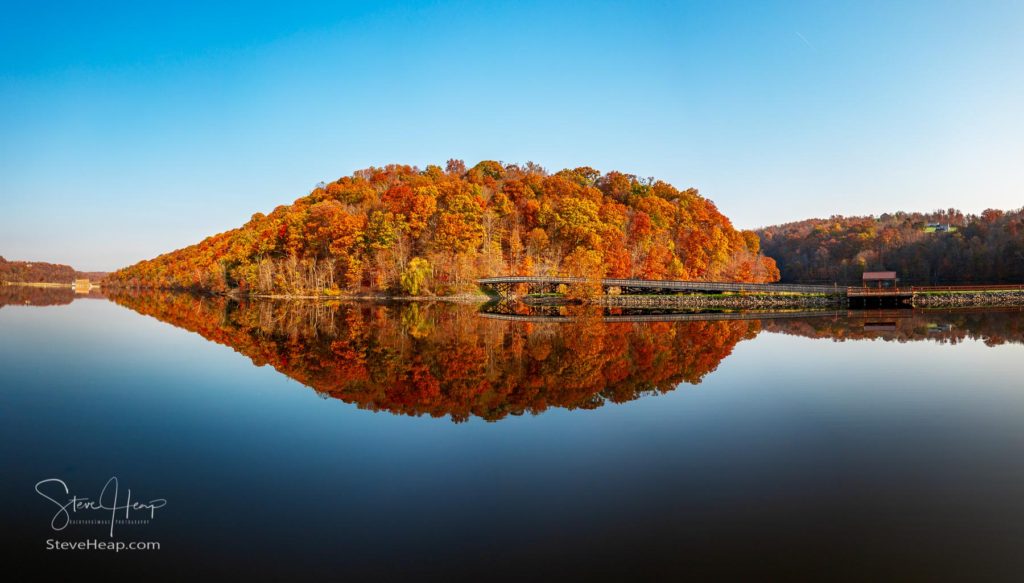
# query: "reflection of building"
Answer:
x=879 y=320
x=880 y=279
x=82 y=286
x=879 y=326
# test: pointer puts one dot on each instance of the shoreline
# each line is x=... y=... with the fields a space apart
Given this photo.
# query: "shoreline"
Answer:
x=942 y=299
x=994 y=298
x=455 y=299
x=39 y=284
x=698 y=301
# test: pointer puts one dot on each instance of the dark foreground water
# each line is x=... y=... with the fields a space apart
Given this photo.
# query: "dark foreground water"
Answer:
x=374 y=442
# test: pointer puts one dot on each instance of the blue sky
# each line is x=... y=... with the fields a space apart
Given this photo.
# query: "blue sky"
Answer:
x=127 y=130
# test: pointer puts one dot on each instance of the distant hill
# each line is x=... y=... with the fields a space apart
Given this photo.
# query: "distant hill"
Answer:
x=407 y=230
x=943 y=247
x=41 y=272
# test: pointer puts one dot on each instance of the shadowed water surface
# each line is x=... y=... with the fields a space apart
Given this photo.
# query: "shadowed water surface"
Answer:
x=427 y=440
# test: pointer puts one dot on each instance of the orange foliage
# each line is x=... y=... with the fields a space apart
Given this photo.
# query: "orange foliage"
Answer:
x=447 y=360
x=359 y=233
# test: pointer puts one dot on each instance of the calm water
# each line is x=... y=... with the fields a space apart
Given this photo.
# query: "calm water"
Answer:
x=369 y=441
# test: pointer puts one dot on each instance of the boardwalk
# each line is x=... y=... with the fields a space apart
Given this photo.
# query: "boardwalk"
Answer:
x=505 y=285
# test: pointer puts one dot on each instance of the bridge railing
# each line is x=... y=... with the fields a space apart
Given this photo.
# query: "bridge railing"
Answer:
x=667 y=284
x=955 y=288
x=878 y=291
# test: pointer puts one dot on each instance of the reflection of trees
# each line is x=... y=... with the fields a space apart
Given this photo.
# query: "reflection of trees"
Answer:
x=445 y=360
x=993 y=327
x=35 y=296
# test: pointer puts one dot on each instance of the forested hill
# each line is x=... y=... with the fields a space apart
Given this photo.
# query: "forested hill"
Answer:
x=433 y=231
x=40 y=272
x=944 y=247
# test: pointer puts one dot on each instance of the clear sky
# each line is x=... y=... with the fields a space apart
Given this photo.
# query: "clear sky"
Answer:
x=128 y=130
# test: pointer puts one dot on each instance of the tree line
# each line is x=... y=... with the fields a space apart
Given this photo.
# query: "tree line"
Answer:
x=41 y=272
x=401 y=229
x=942 y=247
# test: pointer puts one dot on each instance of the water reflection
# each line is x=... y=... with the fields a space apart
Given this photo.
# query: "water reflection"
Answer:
x=446 y=360
x=31 y=295
x=831 y=443
x=449 y=360
x=994 y=327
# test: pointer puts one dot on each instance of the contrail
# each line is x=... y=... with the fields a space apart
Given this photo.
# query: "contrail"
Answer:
x=806 y=42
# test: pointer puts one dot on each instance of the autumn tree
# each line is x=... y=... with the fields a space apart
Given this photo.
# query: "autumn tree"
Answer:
x=585 y=264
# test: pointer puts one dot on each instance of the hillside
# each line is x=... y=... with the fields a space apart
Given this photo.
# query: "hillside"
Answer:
x=944 y=247
x=40 y=272
x=399 y=229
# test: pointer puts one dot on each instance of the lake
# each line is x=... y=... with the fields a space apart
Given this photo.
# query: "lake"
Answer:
x=268 y=440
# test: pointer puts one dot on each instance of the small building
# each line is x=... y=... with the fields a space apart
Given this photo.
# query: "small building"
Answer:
x=879 y=279
x=82 y=285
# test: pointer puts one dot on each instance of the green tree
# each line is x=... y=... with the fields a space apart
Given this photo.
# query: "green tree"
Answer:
x=415 y=275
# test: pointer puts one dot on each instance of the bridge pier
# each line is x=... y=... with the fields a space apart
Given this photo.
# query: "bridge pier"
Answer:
x=860 y=298
x=881 y=301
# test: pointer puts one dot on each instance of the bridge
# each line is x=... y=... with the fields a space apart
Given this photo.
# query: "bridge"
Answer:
x=506 y=286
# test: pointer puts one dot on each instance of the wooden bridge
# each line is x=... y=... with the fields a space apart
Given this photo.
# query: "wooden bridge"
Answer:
x=870 y=297
x=505 y=286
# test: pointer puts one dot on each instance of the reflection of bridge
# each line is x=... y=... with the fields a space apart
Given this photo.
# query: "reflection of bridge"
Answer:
x=535 y=284
x=679 y=317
